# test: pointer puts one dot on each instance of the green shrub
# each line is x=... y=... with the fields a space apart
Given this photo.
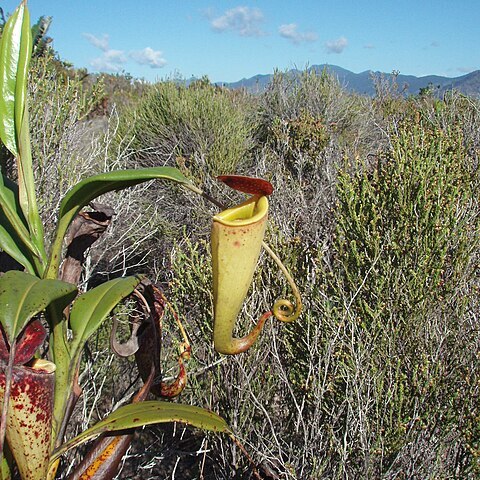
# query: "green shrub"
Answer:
x=201 y=125
x=303 y=136
x=404 y=278
x=311 y=104
x=121 y=91
x=405 y=223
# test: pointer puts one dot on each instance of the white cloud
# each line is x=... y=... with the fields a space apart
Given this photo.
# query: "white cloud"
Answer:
x=116 y=56
x=99 y=42
x=114 y=60
x=289 y=31
x=336 y=46
x=110 y=61
x=245 y=21
x=150 y=57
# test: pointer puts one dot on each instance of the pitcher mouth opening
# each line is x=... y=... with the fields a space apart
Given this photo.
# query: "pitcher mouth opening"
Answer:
x=246 y=213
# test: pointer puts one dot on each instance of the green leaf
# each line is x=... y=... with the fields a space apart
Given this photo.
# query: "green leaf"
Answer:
x=26 y=182
x=14 y=237
x=147 y=413
x=93 y=307
x=26 y=187
x=9 y=243
x=90 y=188
x=24 y=56
x=22 y=296
x=15 y=52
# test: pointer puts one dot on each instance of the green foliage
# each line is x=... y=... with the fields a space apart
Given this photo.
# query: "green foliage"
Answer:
x=51 y=81
x=305 y=135
x=122 y=91
x=23 y=296
x=201 y=124
x=404 y=228
x=388 y=101
x=190 y=286
x=41 y=42
x=16 y=47
x=403 y=276
x=93 y=308
x=314 y=103
x=148 y=413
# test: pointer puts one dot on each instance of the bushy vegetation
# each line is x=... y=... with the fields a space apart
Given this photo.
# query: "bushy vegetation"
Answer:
x=376 y=213
x=201 y=127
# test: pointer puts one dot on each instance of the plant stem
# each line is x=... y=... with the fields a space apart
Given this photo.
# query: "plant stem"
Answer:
x=247 y=455
x=205 y=195
x=60 y=355
x=283 y=309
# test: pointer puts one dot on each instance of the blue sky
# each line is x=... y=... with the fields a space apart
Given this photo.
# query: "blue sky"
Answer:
x=229 y=40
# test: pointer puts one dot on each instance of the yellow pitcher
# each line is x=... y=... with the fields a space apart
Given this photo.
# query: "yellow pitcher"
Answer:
x=237 y=239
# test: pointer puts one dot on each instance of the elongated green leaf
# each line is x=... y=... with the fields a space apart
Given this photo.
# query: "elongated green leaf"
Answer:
x=147 y=413
x=24 y=55
x=26 y=187
x=90 y=188
x=15 y=52
x=22 y=296
x=10 y=244
x=93 y=307
x=13 y=234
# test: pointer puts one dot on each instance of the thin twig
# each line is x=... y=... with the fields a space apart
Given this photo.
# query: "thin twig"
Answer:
x=247 y=455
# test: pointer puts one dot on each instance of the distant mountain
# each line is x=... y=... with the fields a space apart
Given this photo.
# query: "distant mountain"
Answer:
x=362 y=83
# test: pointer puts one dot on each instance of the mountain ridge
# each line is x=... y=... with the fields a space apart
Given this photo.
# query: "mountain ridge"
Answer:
x=363 y=83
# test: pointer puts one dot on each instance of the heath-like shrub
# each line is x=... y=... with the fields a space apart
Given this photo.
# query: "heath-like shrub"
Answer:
x=200 y=127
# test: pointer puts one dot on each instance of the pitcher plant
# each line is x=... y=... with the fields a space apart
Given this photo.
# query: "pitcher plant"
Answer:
x=46 y=321
x=237 y=239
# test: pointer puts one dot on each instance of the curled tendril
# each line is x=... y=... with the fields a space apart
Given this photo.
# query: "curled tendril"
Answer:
x=284 y=310
x=171 y=390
